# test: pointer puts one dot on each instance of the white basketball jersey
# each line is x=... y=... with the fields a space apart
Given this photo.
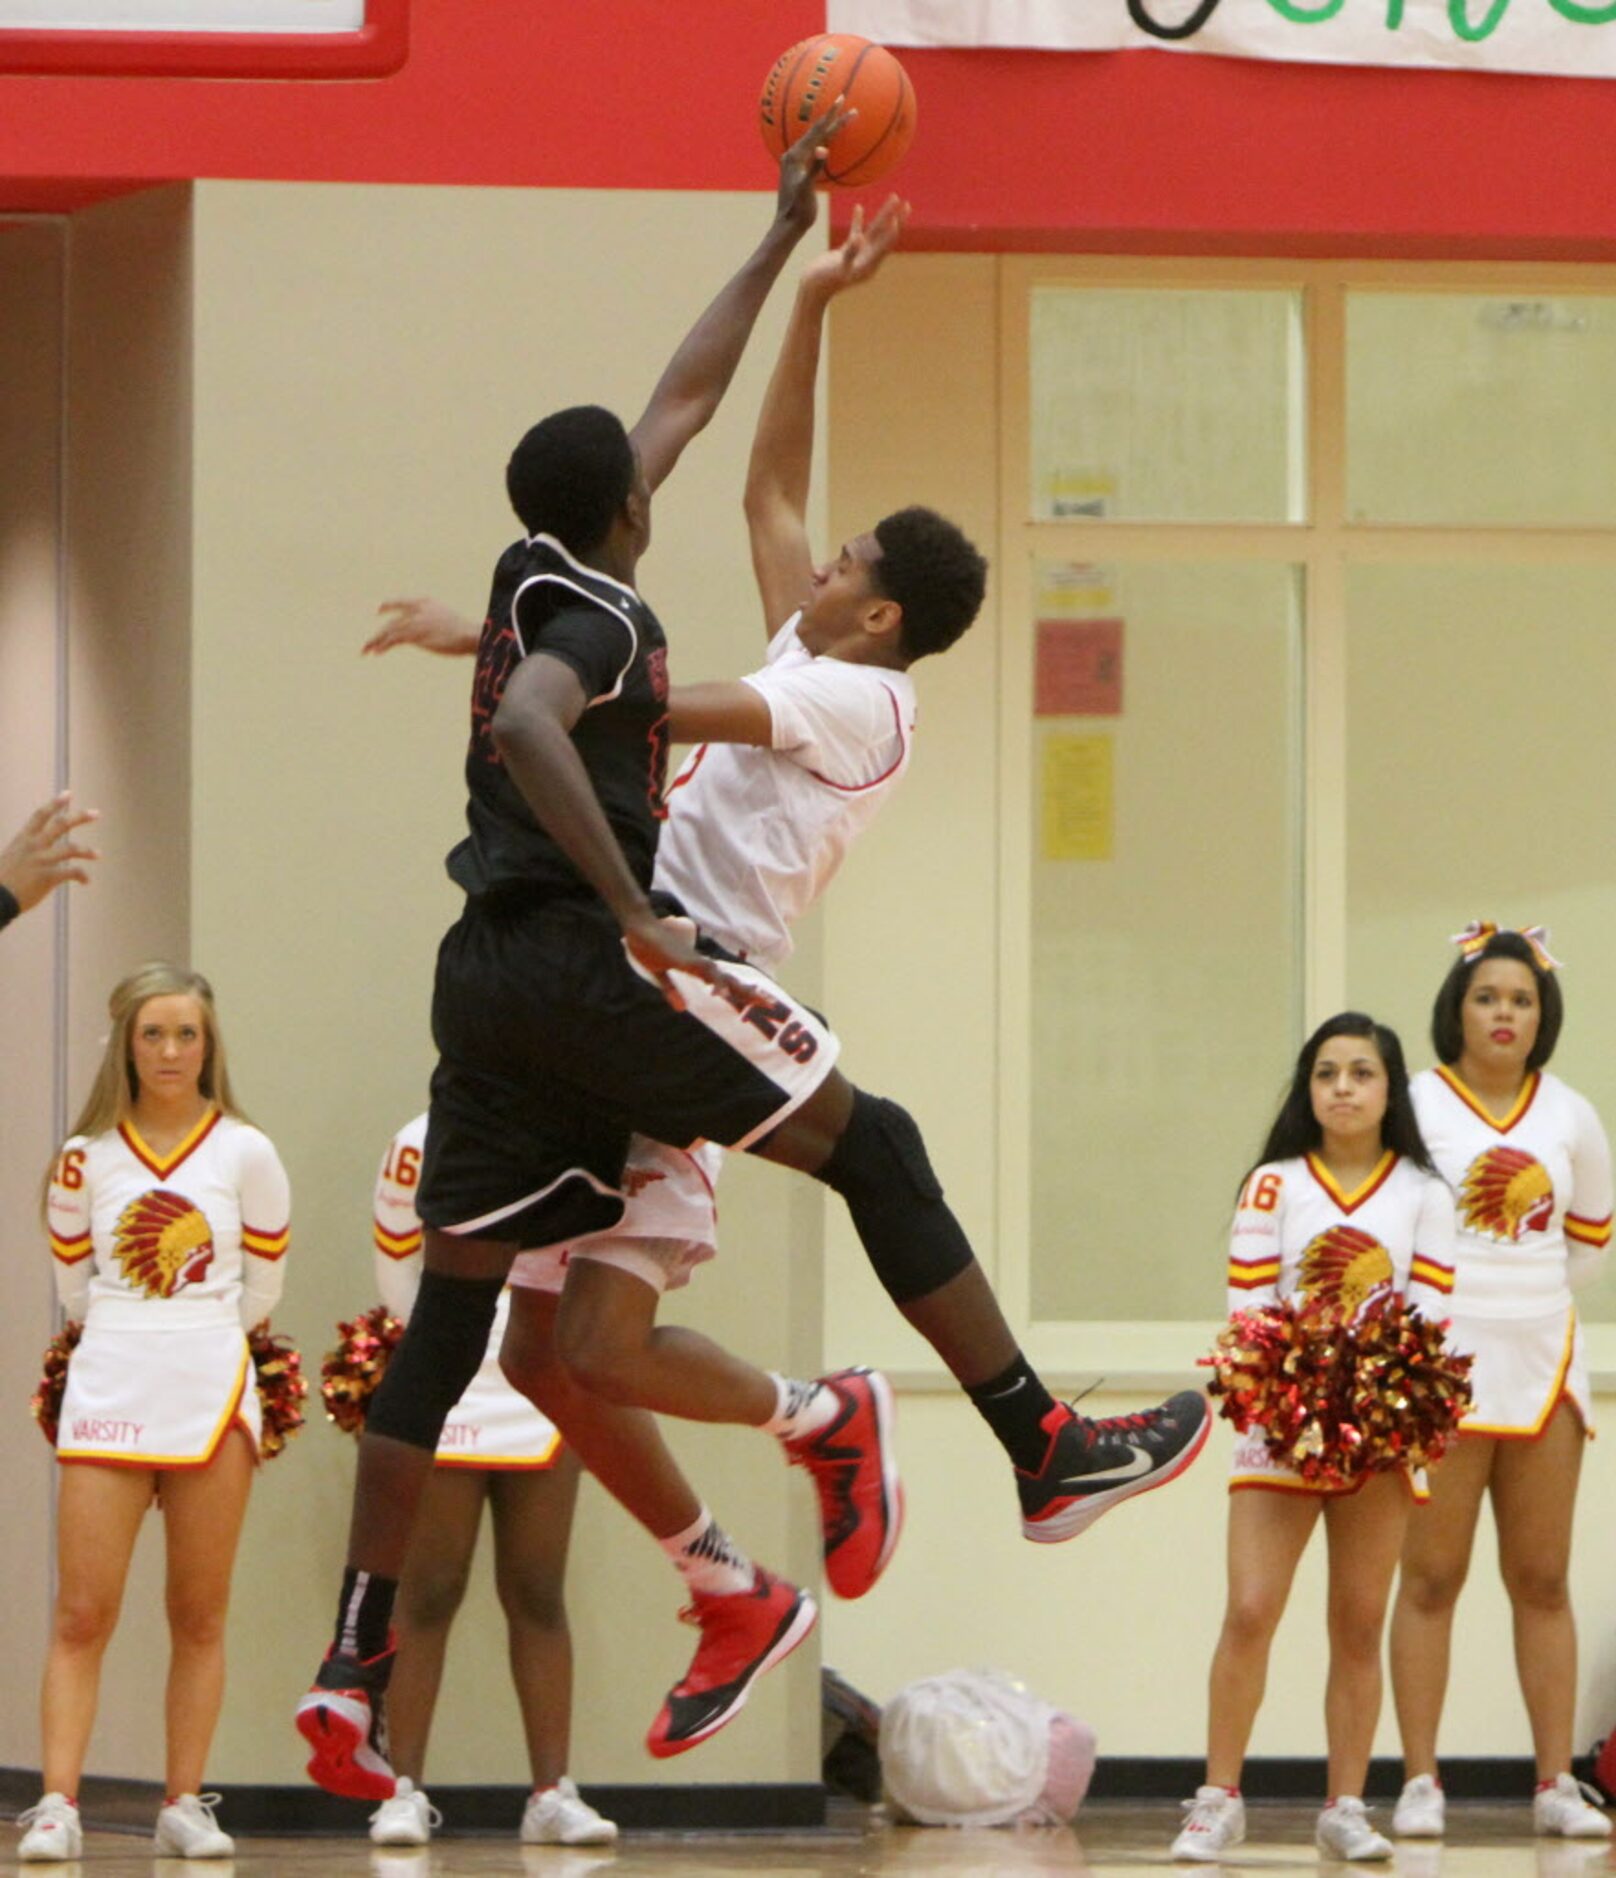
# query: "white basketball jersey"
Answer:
x=1532 y=1189
x=1297 y=1233
x=755 y=836
x=205 y=1224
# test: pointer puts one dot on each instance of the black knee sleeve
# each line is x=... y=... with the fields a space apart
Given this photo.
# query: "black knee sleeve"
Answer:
x=880 y=1168
x=441 y=1350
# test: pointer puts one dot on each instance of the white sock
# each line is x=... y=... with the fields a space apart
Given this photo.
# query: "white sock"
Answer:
x=800 y=1408
x=708 y=1559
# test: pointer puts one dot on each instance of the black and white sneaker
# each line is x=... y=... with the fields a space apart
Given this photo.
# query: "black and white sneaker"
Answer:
x=1092 y=1466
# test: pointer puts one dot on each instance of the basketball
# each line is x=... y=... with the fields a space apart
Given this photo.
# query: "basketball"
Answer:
x=803 y=84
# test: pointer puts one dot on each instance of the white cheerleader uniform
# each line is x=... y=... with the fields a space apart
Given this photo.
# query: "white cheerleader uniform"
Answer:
x=754 y=836
x=1533 y=1191
x=1298 y=1234
x=168 y=1259
x=492 y=1425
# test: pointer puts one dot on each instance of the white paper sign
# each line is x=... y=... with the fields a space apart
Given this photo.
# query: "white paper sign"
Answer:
x=1573 y=38
x=183 y=16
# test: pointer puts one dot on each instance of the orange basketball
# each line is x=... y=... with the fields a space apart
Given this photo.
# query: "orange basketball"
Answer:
x=804 y=83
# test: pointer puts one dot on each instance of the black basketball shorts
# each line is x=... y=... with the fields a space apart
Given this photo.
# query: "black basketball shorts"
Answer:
x=554 y=1047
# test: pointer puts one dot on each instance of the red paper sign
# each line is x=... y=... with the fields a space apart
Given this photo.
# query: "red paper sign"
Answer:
x=1079 y=668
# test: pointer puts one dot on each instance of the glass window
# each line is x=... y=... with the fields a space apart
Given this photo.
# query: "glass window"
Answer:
x=1166 y=406
x=1165 y=885
x=1481 y=784
x=1470 y=410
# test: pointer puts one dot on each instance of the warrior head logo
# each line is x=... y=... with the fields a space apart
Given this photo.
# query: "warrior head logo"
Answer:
x=1342 y=1266
x=162 y=1243
x=1506 y=1194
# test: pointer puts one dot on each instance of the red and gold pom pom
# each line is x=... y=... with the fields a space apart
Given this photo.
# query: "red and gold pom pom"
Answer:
x=46 y=1403
x=1336 y=1400
x=350 y=1372
x=282 y=1387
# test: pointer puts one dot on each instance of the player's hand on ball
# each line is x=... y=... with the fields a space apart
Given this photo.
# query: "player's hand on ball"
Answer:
x=803 y=165
x=426 y=623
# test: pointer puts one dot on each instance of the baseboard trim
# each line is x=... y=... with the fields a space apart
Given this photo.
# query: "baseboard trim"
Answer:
x=305 y=1812
x=1480 y=1777
x=112 y=1804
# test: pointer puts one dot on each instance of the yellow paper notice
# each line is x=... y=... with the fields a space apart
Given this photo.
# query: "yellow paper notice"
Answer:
x=1079 y=803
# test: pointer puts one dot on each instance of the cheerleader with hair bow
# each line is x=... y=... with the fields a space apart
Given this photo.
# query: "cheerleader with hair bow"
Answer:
x=1529 y=1164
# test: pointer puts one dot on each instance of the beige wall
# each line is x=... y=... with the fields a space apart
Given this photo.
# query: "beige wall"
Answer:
x=32 y=294
x=94 y=687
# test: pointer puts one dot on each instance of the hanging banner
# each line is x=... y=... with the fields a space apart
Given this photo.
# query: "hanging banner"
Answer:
x=184 y=16
x=1571 y=38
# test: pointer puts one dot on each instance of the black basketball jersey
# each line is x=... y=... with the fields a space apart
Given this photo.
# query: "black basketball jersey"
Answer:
x=545 y=601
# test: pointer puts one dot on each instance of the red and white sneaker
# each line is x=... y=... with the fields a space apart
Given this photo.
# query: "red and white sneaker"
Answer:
x=344 y=1720
x=856 y=1474
x=742 y=1635
x=1091 y=1466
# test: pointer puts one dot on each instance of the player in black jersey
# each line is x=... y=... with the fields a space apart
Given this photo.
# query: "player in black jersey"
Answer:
x=571 y=1010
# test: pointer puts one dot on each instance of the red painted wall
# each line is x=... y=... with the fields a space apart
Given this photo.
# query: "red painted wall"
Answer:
x=1139 y=150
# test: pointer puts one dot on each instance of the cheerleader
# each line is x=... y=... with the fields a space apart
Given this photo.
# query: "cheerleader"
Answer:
x=1342 y=1208
x=495 y=1448
x=167 y=1214
x=1530 y=1166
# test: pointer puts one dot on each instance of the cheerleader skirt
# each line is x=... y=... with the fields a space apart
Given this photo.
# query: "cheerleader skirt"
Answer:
x=157 y=1396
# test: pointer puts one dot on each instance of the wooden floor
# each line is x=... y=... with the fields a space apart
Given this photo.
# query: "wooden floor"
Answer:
x=1484 y=1841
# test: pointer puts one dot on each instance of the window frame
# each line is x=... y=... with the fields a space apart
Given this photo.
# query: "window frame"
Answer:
x=1322 y=546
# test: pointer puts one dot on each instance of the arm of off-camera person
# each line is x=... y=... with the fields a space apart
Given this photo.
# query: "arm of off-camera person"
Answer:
x=697 y=376
x=533 y=733
x=41 y=855
x=726 y=712
x=781 y=466
x=426 y=623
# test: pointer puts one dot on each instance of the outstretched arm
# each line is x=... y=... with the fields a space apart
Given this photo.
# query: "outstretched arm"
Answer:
x=728 y=711
x=698 y=374
x=777 y=478
x=426 y=623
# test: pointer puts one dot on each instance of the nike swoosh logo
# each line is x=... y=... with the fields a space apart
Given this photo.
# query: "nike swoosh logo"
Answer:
x=999 y=1394
x=1140 y=1464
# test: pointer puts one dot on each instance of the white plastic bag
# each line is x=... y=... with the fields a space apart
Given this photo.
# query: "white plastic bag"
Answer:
x=978 y=1748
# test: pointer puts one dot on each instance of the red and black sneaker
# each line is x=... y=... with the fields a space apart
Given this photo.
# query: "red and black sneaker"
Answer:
x=344 y=1720
x=854 y=1469
x=1092 y=1466
x=742 y=1635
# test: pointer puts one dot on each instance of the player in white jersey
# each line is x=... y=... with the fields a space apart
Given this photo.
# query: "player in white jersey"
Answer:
x=800 y=756
x=1344 y=1207
x=1530 y=1167
x=169 y=1218
x=496 y=1448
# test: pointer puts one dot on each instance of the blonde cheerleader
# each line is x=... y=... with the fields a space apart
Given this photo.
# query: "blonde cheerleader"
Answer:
x=168 y=1217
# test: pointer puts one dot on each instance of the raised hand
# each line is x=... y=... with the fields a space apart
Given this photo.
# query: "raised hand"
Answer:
x=862 y=250
x=803 y=165
x=42 y=854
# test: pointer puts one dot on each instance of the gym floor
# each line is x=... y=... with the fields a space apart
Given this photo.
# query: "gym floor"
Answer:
x=1111 y=1837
